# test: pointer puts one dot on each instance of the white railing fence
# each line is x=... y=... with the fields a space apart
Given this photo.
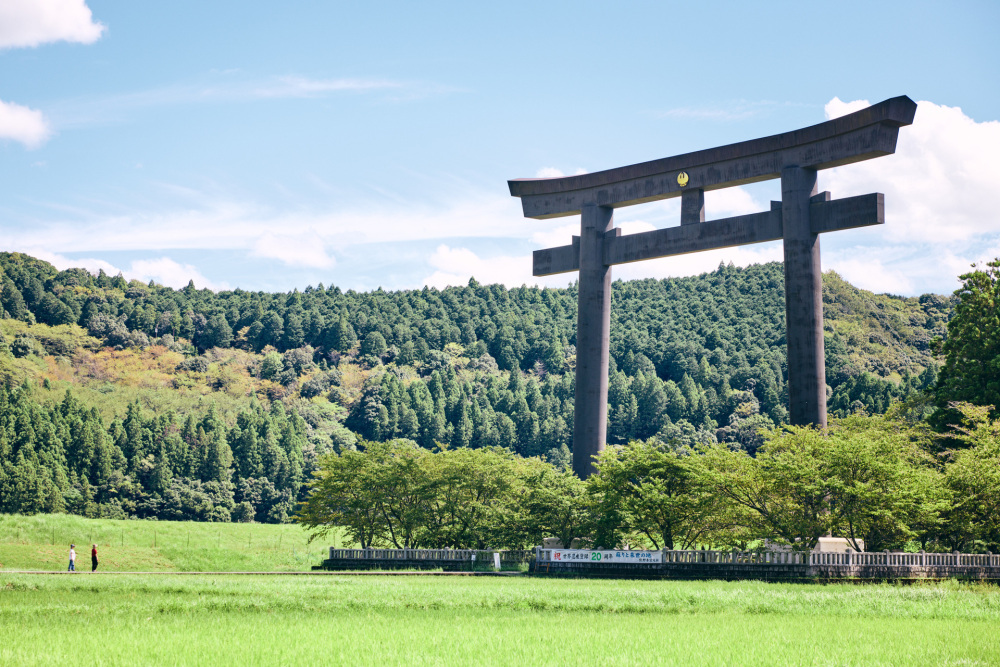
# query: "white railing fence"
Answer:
x=900 y=559
x=850 y=559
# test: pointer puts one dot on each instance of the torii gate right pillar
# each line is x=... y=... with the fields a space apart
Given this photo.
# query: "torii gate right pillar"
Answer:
x=803 y=300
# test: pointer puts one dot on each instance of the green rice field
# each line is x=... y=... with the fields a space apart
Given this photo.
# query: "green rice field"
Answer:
x=121 y=619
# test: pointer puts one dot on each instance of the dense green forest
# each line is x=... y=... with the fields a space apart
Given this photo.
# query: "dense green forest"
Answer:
x=131 y=399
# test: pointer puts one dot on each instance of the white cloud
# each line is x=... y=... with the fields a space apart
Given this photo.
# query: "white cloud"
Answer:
x=306 y=249
x=26 y=23
x=552 y=172
x=635 y=227
x=62 y=263
x=907 y=269
x=836 y=107
x=549 y=172
x=941 y=184
x=454 y=266
x=561 y=235
x=193 y=219
x=22 y=124
x=940 y=203
x=871 y=273
x=162 y=270
x=166 y=271
x=728 y=202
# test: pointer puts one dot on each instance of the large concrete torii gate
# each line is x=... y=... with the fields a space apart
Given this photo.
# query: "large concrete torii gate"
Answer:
x=797 y=219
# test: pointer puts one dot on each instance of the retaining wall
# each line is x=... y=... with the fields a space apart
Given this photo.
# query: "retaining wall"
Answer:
x=449 y=560
x=729 y=565
x=395 y=564
x=766 y=571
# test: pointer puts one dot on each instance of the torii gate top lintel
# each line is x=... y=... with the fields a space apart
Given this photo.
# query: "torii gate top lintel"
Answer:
x=857 y=136
x=797 y=220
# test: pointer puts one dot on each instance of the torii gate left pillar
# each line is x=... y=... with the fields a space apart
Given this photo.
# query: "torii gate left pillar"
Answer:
x=797 y=219
x=593 y=337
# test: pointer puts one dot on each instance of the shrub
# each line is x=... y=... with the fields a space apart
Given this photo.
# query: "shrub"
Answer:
x=270 y=366
x=23 y=345
x=194 y=364
x=111 y=330
x=243 y=513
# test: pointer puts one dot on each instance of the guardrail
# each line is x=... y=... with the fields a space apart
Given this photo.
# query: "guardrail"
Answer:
x=850 y=559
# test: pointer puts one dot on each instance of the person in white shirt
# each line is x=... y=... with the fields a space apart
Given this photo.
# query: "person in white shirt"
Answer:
x=72 y=558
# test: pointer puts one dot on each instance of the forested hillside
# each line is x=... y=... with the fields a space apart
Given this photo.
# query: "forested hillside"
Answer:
x=129 y=399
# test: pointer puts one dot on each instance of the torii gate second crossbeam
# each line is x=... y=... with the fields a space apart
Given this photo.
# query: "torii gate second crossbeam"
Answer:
x=797 y=219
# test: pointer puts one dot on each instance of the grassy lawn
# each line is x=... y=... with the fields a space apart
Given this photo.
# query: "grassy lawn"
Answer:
x=145 y=619
x=41 y=542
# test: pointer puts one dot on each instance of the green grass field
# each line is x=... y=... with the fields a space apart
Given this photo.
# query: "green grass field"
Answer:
x=119 y=618
x=41 y=542
x=334 y=619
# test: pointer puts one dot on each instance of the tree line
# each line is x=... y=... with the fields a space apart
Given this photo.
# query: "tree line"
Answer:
x=883 y=482
x=65 y=458
x=721 y=330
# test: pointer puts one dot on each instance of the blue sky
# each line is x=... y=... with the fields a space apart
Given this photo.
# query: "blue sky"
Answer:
x=278 y=145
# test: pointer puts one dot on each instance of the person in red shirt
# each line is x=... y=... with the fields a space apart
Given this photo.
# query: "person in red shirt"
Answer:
x=93 y=559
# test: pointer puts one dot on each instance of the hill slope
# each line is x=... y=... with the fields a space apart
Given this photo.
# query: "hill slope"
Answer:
x=194 y=404
x=42 y=542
